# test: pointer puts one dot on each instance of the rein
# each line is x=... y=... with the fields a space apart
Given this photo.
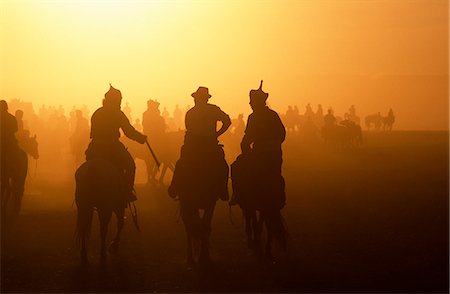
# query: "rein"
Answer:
x=134 y=215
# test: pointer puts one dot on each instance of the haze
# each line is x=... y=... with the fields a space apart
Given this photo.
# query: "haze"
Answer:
x=376 y=55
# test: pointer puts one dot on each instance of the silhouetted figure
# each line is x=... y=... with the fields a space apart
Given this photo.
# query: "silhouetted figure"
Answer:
x=201 y=173
x=154 y=127
x=291 y=119
x=318 y=120
x=26 y=142
x=137 y=125
x=19 y=118
x=374 y=120
x=105 y=124
x=20 y=134
x=177 y=117
x=9 y=127
x=14 y=162
x=256 y=174
x=238 y=125
x=352 y=115
x=388 y=121
x=309 y=112
x=127 y=111
x=165 y=115
x=329 y=119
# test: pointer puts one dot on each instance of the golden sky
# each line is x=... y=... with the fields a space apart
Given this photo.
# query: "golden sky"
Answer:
x=375 y=54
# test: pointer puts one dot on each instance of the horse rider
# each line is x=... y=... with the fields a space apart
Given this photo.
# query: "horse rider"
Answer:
x=9 y=127
x=154 y=126
x=329 y=119
x=105 y=124
x=201 y=143
x=262 y=141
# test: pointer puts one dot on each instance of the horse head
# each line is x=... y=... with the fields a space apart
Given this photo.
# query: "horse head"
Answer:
x=33 y=147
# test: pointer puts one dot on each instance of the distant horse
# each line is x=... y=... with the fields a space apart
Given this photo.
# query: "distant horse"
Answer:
x=200 y=179
x=388 y=121
x=99 y=186
x=167 y=150
x=345 y=135
x=261 y=198
x=13 y=174
x=291 y=121
x=374 y=120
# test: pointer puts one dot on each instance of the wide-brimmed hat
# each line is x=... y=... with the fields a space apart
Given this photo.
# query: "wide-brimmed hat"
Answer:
x=202 y=92
x=259 y=94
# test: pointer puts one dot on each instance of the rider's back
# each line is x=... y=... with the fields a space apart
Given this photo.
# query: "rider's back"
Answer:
x=9 y=127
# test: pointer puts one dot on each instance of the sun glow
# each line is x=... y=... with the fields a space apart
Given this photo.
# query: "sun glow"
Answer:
x=336 y=53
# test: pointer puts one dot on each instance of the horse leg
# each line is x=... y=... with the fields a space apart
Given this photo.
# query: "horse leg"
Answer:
x=268 y=249
x=250 y=221
x=191 y=221
x=163 y=173
x=120 y=213
x=149 y=166
x=84 y=221
x=104 y=216
x=257 y=231
x=18 y=180
x=206 y=222
x=189 y=253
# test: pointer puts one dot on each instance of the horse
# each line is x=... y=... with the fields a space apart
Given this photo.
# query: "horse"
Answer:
x=14 y=170
x=200 y=179
x=373 y=119
x=347 y=134
x=99 y=186
x=167 y=150
x=261 y=196
x=388 y=121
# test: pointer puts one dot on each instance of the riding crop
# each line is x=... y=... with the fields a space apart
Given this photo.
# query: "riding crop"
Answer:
x=153 y=153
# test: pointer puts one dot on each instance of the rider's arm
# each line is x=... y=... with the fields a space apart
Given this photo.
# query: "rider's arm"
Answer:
x=226 y=123
x=130 y=131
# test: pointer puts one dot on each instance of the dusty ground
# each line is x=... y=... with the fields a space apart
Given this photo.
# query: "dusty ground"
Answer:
x=374 y=219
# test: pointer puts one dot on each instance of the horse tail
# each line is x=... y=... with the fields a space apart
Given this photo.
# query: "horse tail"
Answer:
x=85 y=209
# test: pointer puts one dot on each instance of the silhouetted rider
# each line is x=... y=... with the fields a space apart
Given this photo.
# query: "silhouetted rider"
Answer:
x=9 y=127
x=329 y=119
x=264 y=132
x=105 y=124
x=261 y=151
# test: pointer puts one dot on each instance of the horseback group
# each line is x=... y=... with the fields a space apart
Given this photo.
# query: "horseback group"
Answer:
x=377 y=121
x=105 y=181
x=16 y=143
x=346 y=134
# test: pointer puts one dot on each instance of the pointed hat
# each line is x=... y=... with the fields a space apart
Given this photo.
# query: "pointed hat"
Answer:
x=259 y=94
x=113 y=93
